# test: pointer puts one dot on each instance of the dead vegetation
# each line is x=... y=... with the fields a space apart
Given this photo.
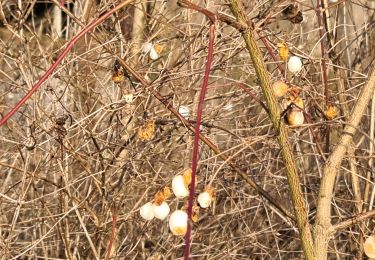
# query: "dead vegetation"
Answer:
x=75 y=168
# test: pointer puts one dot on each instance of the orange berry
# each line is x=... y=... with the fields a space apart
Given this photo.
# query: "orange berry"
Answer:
x=280 y=88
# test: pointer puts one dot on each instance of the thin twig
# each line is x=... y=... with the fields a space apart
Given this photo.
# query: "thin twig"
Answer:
x=324 y=71
x=352 y=221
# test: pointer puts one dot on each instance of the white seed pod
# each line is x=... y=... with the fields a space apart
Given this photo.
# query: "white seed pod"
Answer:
x=178 y=222
x=147 y=211
x=280 y=88
x=295 y=117
x=153 y=54
x=369 y=247
x=129 y=98
x=184 y=111
x=161 y=211
x=294 y=64
x=147 y=47
x=205 y=199
x=333 y=1
x=179 y=187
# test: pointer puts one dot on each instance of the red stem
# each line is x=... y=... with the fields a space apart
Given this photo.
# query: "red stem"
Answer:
x=248 y=91
x=196 y=138
x=113 y=233
x=70 y=45
x=270 y=51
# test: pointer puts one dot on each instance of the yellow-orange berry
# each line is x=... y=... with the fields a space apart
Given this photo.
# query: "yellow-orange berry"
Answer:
x=279 y=88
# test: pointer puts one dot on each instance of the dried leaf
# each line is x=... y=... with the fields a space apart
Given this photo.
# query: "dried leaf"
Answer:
x=159 y=198
x=293 y=14
x=283 y=51
x=187 y=176
x=117 y=77
x=167 y=192
x=158 y=48
x=147 y=131
x=331 y=112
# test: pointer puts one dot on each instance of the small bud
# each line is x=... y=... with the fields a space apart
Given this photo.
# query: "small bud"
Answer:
x=147 y=131
x=204 y=199
x=299 y=102
x=30 y=143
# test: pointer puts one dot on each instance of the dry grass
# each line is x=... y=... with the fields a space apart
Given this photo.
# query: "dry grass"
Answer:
x=70 y=158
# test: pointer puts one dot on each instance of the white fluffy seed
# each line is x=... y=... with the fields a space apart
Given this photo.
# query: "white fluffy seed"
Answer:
x=296 y=117
x=294 y=64
x=153 y=54
x=178 y=187
x=147 y=47
x=178 y=222
x=161 y=211
x=204 y=199
x=184 y=111
x=146 y=211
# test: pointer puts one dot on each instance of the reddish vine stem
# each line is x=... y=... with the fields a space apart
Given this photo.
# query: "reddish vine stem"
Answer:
x=248 y=91
x=70 y=45
x=196 y=137
x=113 y=233
x=203 y=92
x=270 y=51
x=212 y=18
